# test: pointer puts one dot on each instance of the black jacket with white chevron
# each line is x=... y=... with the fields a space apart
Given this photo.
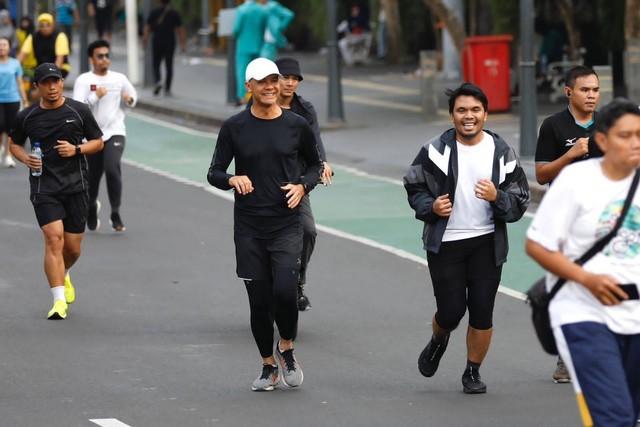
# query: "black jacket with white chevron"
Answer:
x=434 y=172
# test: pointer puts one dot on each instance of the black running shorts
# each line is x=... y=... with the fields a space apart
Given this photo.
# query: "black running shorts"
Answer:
x=70 y=208
x=256 y=258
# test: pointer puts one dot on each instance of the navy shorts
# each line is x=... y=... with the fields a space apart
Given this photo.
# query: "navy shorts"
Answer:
x=70 y=208
x=256 y=258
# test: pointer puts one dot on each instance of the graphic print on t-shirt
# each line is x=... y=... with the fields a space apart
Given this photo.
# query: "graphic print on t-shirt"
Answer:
x=626 y=244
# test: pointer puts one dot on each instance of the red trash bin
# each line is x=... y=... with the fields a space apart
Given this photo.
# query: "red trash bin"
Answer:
x=485 y=62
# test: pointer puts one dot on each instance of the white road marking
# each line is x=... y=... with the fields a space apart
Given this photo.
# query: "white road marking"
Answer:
x=228 y=195
x=179 y=128
x=109 y=422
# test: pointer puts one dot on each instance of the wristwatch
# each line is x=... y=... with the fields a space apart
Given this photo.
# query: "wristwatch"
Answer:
x=78 y=150
x=306 y=187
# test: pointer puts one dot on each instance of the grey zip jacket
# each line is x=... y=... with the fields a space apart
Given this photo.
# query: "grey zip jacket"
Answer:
x=434 y=172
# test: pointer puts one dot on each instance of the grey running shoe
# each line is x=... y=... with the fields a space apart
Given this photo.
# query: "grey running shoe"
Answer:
x=93 y=223
x=292 y=375
x=429 y=359
x=561 y=374
x=472 y=383
x=268 y=379
x=303 y=300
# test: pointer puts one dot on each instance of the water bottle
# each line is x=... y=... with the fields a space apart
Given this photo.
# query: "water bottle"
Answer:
x=38 y=152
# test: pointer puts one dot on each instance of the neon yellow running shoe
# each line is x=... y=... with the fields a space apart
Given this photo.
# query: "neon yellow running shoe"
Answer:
x=69 y=291
x=59 y=311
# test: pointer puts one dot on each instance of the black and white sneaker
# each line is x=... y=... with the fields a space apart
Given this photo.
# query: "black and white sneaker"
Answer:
x=116 y=223
x=303 y=300
x=93 y=223
x=429 y=359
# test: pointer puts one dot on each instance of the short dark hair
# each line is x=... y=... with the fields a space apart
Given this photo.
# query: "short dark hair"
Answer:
x=466 y=89
x=97 y=44
x=7 y=39
x=574 y=73
x=611 y=113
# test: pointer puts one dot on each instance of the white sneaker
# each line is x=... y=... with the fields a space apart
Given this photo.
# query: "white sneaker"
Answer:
x=9 y=162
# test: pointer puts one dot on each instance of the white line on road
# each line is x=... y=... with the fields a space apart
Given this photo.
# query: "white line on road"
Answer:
x=172 y=126
x=227 y=195
x=109 y=422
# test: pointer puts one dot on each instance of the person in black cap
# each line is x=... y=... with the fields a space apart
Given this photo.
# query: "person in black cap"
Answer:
x=290 y=100
x=60 y=194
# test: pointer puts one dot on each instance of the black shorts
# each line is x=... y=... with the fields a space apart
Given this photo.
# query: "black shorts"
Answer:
x=256 y=258
x=8 y=111
x=70 y=208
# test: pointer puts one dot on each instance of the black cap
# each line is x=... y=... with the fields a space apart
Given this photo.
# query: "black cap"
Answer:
x=46 y=70
x=289 y=67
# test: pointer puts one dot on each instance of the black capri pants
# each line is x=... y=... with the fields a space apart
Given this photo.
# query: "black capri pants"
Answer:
x=464 y=275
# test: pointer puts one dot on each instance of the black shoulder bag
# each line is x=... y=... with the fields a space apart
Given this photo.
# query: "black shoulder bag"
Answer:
x=538 y=297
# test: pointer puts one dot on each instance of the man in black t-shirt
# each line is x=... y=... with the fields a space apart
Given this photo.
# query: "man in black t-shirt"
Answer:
x=566 y=137
x=269 y=145
x=60 y=194
x=163 y=22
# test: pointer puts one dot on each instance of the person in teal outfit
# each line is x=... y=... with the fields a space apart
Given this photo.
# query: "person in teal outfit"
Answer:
x=248 y=30
x=278 y=20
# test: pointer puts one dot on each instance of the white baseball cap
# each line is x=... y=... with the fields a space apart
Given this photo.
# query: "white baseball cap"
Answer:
x=260 y=68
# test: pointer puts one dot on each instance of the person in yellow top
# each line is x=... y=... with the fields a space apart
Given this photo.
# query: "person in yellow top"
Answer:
x=47 y=45
x=24 y=30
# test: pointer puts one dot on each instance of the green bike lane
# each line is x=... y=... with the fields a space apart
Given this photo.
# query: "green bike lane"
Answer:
x=357 y=205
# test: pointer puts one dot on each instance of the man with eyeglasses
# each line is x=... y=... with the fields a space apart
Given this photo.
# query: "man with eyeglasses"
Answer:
x=104 y=91
x=48 y=45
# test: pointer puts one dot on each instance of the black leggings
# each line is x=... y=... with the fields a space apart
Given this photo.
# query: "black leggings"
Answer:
x=464 y=275
x=273 y=300
x=308 y=236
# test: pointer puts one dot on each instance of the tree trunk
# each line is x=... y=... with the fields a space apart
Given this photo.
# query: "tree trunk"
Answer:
x=632 y=20
x=395 y=46
x=451 y=22
x=566 y=10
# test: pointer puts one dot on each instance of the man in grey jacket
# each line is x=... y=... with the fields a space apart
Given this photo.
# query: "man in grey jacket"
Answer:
x=465 y=185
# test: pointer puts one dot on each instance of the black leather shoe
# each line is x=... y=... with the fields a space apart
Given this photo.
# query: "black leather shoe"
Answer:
x=471 y=382
x=430 y=357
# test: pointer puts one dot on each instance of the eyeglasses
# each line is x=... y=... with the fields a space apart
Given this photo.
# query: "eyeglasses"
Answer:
x=103 y=55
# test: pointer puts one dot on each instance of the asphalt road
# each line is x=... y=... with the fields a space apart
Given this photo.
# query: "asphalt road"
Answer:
x=159 y=335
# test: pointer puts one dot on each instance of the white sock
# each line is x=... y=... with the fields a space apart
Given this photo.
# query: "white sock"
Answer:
x=58 y=293
x=66 y=273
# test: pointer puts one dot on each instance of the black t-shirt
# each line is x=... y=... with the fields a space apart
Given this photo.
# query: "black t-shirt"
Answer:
x=269 y=152
x=163 y=22
x=559 y=133
x=71 y=122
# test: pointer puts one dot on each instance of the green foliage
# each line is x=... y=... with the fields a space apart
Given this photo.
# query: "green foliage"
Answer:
x=506 y=17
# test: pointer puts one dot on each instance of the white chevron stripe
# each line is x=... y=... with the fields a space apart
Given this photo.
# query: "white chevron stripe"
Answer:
x=440 y=160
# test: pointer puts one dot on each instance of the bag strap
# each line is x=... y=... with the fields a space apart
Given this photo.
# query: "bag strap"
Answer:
x=600 y=244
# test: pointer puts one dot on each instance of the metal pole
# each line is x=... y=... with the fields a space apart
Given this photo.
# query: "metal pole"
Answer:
x=205 y=23
x=84 y=29
x=133 y=57
x=528 y=96
x=231 y=63
x=336 y=111
x=148 y=60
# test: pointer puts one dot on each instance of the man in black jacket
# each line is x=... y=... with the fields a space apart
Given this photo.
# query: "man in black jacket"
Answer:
x=465 y=185
x=289 y=99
